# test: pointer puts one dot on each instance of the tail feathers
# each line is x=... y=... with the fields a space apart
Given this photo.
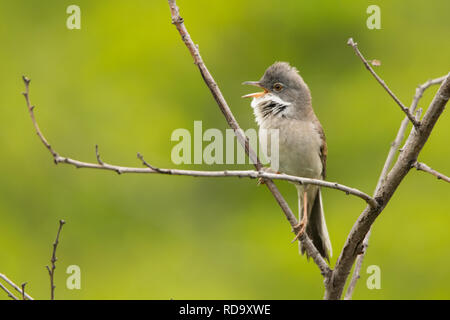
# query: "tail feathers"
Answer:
x=317 y=231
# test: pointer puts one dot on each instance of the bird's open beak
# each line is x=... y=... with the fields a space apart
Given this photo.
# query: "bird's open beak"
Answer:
x=256 y=94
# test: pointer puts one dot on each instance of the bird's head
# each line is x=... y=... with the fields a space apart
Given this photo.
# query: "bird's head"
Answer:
x=284 y=82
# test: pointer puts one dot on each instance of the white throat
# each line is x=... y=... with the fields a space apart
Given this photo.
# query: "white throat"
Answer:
x=269 y=106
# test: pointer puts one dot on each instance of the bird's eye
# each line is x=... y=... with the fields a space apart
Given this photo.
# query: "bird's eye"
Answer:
x=277 y=86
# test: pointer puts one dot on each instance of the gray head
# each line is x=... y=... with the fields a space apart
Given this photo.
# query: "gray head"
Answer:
x=283 y=81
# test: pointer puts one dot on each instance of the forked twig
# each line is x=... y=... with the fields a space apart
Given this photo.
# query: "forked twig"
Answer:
x=389 y=159
x=410 y=115
x=51 y=270
x=357 y=239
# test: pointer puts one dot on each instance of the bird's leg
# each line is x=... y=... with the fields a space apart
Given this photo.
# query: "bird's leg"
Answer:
x=302 y=224
x=266 y=170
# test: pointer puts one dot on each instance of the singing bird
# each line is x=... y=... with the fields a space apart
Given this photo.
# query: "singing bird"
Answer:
x=285 y=104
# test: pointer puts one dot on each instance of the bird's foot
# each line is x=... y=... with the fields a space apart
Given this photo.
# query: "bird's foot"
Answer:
x=302 y=224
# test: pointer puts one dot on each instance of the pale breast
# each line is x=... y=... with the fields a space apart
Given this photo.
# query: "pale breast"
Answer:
x=299 y=147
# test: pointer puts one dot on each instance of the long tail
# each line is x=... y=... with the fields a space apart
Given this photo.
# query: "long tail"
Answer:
x=316 y=228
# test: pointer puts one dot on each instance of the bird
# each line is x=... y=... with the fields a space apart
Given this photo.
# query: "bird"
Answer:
x=285 y=105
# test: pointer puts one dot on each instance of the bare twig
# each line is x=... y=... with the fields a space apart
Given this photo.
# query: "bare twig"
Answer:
x=31 y=111
x=157 y=170
x=410 y=115
x=404 y=125
x=357 y=240
x=227 y=173
x=265 y=175
x=97 y=155
x=312 y=251
x=195 y=173
x=358 y=265
x=16 y=287
x=407 y=158
x=423 y=167
x=51 y=271
x=23 y=290
x=10 y=295
x=390 y=158
x=178 y=21
x=421 y=89
x=418 y=114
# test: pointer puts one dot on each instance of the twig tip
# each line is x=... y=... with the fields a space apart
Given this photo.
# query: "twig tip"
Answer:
x=26 y=80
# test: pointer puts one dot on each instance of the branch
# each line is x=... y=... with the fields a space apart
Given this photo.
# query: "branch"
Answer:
x=23 y=291
x=404 y=125
x=16 y=287
x=358 y=266
x=268 y=177
x=51 y=271
x=355 y=243
x=421 y=89
x=10 y=295
x=410 y=115
x=407 y=158
x=194 y=173
x=31 y=111
x=309 y=247
x=178 y=21
x=390 y=158
x=261 y=174
x=423 y=167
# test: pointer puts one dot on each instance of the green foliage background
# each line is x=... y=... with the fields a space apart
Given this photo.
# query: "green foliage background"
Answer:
x=125 y=81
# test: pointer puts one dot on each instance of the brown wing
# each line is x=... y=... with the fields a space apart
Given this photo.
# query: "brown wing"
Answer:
x=323 y=148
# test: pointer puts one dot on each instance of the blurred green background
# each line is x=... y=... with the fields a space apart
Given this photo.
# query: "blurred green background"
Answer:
x=125 y=81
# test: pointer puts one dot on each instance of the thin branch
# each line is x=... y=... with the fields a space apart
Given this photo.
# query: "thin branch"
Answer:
x=10 y=295
x=358 y=266
x=421 y=89
x=315 y=255
x=51 y=271
x=265 y=175
x=243 y=140
x=310 y=248
x=334 y=279
x=410 y=116
x=16 y=287
x=408 y=156
x=390 y=158
x=97 y=155
x=31 y=111
x=423 y=167
x=418 y=114
x=178 y=21
x=23 y=290
x=195 y=173
x=404 y=125
x=157 y=170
